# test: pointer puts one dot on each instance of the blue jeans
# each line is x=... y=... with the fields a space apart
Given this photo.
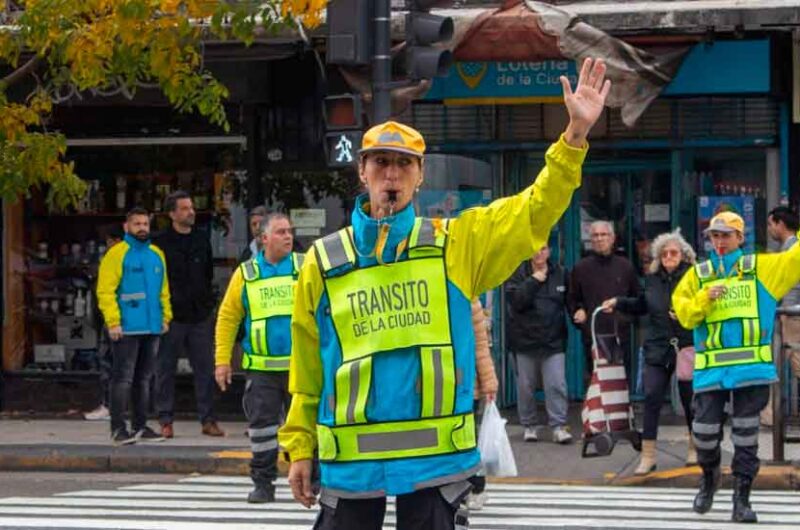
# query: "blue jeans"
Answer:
x=133 y=361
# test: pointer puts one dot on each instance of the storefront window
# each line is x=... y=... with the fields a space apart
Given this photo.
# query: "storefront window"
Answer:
x=732 y=180
x=62 y=249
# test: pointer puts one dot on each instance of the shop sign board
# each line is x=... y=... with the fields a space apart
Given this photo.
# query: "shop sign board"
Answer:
x=710 y=205
x=714 y=68
x=307 y=218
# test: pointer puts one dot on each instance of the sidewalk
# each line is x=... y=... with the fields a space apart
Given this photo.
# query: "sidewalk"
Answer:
x=77 y=445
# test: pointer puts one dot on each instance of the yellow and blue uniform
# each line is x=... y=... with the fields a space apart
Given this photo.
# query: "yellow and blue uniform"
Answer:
x=261 y=294
x=733 y=335
x=349 y=387
x=133 y=289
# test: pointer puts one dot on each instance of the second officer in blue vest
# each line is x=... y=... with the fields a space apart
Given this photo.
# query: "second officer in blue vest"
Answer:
x=261 y=293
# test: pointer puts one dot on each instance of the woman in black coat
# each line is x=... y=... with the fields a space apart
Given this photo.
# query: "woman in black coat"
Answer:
x=672 y=257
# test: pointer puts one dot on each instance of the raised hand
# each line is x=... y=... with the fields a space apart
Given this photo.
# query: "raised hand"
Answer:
x=586 y=102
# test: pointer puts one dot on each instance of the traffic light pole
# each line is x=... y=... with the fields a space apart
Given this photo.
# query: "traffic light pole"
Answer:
x=382 y=63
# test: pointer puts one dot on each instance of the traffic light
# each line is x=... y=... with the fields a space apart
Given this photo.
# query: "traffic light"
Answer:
x=343 y=117
x=423 y=30
x=350 y=28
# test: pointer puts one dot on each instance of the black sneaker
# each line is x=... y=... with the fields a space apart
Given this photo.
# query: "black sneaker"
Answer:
x=146 y=434
x=122 y=437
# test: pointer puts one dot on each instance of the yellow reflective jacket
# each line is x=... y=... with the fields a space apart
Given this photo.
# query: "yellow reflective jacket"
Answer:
x=485 y=245
x=776 y=274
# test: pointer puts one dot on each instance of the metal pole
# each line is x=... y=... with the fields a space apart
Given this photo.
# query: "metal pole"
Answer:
x=777 y=397
x=382 y=63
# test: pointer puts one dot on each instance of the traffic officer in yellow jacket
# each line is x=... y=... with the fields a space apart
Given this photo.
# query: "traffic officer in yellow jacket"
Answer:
x=383 y=361
x=261 y=294
x=729 y=301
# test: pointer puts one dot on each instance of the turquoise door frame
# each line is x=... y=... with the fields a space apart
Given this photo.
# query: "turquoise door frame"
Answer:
x=571 y=227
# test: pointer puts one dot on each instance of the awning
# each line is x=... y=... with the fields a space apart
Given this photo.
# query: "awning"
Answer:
x=655 y=15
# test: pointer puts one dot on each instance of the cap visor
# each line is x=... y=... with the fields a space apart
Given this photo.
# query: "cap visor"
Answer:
x=390 y=148
x=719 y=229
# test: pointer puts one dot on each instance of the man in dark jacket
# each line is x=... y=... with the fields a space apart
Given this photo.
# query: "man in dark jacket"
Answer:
x=537 y=333
x=597 y=277
x=191 y=270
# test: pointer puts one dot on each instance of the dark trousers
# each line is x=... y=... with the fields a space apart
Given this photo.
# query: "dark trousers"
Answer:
x=656 y=385
x=104 y=366
x=265 y=402
x=425 y=509
x=707 y=427
x=133 y=360
x=197 y=340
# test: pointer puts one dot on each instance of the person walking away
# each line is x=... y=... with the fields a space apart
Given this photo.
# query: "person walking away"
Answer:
x=664 y=338
x=260 y=295
x=254 y=220
x=729 y=301
x=383 y=353
x=133 y=295
x=537 y=336
x=485 y=388
x=190 y=266
x=102 y=412
x=782 y=225
x=597 y=277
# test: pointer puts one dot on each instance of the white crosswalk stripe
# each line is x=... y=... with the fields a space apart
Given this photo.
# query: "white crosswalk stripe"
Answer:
x=218 y=503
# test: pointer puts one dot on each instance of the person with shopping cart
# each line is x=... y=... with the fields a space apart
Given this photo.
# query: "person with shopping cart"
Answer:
x=729 y=302
x=666 y=344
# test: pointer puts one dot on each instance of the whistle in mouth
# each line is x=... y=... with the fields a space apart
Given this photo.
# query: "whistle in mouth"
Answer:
x=392 y=196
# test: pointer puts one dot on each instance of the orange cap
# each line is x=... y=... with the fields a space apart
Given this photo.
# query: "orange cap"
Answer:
x=393 y=136
x=726 y=222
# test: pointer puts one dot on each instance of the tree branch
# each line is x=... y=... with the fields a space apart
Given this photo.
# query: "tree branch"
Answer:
x=20 y=73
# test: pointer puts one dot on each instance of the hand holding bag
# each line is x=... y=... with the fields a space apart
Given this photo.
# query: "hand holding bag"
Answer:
x=496 y=454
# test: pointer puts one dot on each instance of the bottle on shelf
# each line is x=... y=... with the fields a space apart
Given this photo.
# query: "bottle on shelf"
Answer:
x=80 y=305
x=121 y=193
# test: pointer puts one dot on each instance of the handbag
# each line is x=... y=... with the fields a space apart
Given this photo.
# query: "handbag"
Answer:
x=684 y=363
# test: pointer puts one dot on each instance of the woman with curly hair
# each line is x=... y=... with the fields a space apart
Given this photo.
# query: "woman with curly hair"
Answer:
x=665 y=338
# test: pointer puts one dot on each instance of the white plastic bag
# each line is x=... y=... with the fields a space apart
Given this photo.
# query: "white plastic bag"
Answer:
x=496 y=454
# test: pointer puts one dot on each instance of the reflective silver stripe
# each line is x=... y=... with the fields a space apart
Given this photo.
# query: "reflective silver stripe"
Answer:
x=277 y=363
x=334 y=248
x=748 y=263
x=746 y=423
x=705 y=428
x=249 y=270
x=264 y=446
x=744 y=441
x=751 y=324
x=704 y=270
x=705 y=444
x=447 y=479
x=438 y=382
x=739 y=355
x=297 y=259
x=426 y=237
x=397 y=441
x=329 y=493
x=355 y=384
x=272 y=430
x=132 y=296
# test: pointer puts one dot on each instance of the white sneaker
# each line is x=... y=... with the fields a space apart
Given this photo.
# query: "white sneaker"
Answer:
x=98 y=414
x=531 y=434
x=475 y=501
x=561 y=435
